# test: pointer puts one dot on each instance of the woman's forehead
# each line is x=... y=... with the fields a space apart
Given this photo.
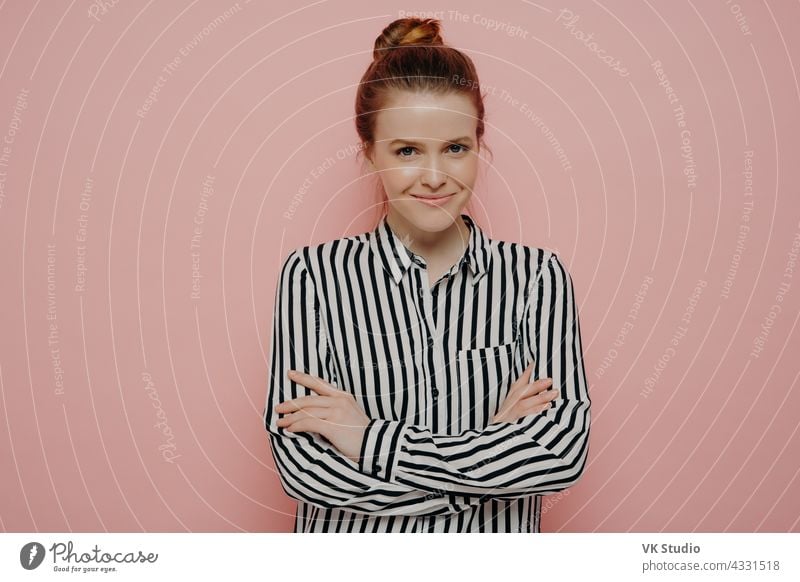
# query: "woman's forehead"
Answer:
x=421 y=116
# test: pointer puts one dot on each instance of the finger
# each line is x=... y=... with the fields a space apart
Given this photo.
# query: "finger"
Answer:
x=533 y=409
x=531 y=404
x=526 y=375
x=540 y=398
x=517 y=389
x=311 y=412
x=302 y=402
x=305 y=425
x=316 y=384
x=523 y=380
x=305 y=413
x=536 y=387
x=526 y=391
x=537 y=410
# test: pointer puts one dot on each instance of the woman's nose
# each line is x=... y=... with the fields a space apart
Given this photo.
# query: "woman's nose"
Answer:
x=433 y=176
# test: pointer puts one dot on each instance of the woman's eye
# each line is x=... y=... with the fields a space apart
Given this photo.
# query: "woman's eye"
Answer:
x=407 y=148
x=407 y=151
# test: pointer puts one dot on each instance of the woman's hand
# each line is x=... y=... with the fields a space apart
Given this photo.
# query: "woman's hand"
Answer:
x=333 y=413
x=524 y=398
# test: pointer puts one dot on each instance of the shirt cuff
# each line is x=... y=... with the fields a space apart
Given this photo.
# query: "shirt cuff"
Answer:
x=380 y=447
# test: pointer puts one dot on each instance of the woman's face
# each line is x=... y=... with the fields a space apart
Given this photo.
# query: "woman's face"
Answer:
x=425 y=152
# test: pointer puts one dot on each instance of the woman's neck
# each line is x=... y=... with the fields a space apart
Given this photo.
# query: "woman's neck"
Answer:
x=445 y=246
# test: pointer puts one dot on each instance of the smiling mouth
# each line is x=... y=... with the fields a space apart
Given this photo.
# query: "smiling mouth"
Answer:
x=420 y=197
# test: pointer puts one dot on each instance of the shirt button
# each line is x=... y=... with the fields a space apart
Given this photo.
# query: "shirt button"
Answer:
x=378 y=468
x=430 y=342
x=435 y=392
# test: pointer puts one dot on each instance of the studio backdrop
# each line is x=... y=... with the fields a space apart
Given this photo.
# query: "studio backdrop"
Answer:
x=159 y=161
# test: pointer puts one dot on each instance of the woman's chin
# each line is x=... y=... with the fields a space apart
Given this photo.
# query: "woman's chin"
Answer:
x=429 y=217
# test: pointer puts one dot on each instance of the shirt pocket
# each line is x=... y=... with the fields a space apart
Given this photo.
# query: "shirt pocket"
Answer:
x=484 y=376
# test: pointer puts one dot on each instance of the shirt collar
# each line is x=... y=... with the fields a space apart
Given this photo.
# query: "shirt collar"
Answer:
x=396 y=258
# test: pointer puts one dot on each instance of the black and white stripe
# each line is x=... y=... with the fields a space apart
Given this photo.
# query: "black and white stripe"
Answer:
x=430 y=365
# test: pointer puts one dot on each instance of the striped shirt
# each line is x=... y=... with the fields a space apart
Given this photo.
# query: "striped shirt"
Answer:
x=430 y=365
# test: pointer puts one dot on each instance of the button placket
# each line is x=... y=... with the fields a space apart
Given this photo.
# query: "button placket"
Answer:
x=427 y=307
x=435 y=373
x=437 y=356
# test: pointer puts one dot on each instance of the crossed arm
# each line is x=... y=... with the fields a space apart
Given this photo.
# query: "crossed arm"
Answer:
x=405 y=469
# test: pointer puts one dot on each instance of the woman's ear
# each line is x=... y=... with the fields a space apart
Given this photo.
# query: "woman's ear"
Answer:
x=368 y=153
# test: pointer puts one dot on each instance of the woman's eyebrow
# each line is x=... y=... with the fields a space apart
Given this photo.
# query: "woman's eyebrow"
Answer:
x=412 y=142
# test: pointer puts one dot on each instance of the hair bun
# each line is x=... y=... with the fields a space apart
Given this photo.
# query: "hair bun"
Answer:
x=408 y=32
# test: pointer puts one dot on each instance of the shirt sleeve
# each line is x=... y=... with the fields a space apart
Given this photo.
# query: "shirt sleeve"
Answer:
x=537 y=454
x=310 y=468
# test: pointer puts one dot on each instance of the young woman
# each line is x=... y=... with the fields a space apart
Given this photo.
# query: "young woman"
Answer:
x=403 y=393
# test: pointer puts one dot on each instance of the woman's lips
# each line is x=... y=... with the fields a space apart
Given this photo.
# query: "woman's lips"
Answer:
x=431 y=201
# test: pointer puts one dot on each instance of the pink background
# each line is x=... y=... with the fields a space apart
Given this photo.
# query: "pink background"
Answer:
x=704 y=441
